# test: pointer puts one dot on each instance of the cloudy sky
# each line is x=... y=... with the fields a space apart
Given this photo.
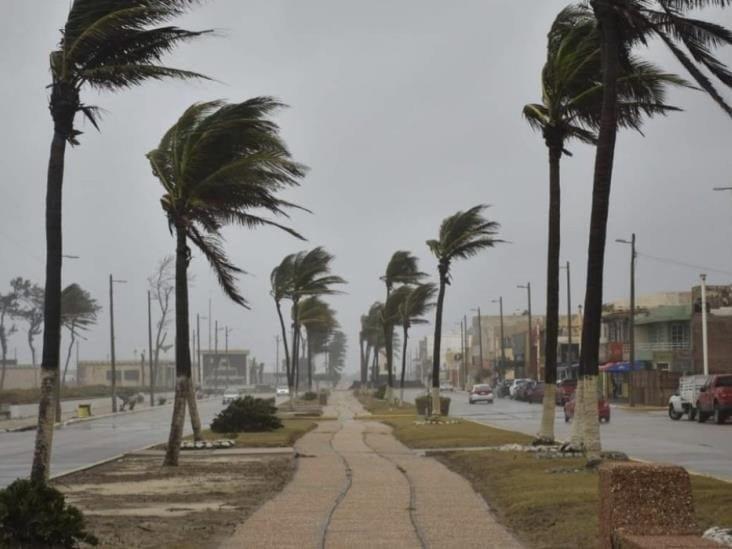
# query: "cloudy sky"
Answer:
x=406 y=112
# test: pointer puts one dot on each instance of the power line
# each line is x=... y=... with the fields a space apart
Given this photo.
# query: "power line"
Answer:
x=683 y=264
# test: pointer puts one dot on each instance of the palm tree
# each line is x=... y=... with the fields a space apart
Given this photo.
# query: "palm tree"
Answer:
x=462 y=236
x=78 y=313
x=318 y=319
x=107 y=45
x=415 y=303
x=625 y=24
x=311 y=276
x=219 y=164
x=401 y=269
x=570 y=110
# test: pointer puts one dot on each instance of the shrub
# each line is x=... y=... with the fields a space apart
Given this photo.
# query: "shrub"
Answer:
x=310 y=396
x=36 y=515
x=424 y=405
x=247 y=414
x=380 y=392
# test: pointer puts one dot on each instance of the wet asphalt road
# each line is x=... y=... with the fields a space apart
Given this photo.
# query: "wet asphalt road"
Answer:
x=646 y=435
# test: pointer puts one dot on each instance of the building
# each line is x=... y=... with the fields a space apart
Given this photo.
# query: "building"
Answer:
x=129 y=373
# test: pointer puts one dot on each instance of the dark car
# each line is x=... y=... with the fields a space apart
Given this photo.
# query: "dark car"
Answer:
x=535 y=393
x=565 y=389
x=603 y=409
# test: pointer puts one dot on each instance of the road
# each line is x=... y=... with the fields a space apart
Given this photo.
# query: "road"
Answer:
x=88 y=442
x=646 y=435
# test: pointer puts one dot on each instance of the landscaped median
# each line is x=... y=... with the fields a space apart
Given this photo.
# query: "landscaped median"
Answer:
x=549 y=503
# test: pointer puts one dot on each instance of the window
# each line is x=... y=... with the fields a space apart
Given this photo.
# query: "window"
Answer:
x=132 y=375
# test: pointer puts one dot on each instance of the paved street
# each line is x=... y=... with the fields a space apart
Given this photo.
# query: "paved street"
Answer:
x=88 y=442
x=646 y=435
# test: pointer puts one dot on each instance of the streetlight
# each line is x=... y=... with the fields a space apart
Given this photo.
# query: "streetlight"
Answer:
x=503 y=340
x=527 y=287
x=480 y=338
x=112 y=281
x=633 y=256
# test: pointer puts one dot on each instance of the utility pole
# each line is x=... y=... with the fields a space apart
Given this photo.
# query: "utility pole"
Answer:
x=705 y=343
x=111 y=346
x=198 y=344
x=149 y=350
x=530 y=361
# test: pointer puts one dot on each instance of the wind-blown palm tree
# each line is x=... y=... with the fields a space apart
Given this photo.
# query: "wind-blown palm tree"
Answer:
x=107 y=45
x=219 y=164
x=462 y=236
x=625 y=24
x=311 y=276
x=78 y=313
x=318 y=319
x=401 y=269
x=413 y=305
x=570 y=110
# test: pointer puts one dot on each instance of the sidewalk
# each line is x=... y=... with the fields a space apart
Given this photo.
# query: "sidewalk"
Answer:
x=356 y=486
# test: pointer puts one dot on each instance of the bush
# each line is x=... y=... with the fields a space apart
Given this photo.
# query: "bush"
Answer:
x=310 y=396
x=380 y=392
x=424 y=405
x=247 y=414
x=36 y=515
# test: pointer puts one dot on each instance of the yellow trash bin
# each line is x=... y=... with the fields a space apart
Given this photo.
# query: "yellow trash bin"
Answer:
x=83 y=410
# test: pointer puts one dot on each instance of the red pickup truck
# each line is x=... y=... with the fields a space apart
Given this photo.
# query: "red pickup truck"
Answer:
x=715 y=399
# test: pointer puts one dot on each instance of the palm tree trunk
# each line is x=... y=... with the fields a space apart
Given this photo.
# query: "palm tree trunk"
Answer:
x=438 y=336
x=604 y=157
x=182 y=350
x=546 y=434
x=60 y=384
x=404 y=364
x=288 y=368
x=193 y=412
x=63 y=110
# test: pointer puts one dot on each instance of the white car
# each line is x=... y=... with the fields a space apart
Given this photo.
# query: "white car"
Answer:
x=229 y=396
x=282 y=391
x=480 y=393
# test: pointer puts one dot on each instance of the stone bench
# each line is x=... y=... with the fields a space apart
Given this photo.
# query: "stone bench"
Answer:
x=647 y=506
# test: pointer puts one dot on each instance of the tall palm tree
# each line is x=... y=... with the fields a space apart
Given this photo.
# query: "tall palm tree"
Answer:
x=415 y=304
x=78 y=313
x=624 y=25
x=219 y=164
x=401 y=269
x=281 y=282
x=311 y=276
x=570 y=110
x=462 y=236
x=318 y=319
x=107 y=45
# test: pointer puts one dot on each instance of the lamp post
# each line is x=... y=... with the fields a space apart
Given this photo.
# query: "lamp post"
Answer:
x=112 y=281
x=530 y=353
x=503 y=340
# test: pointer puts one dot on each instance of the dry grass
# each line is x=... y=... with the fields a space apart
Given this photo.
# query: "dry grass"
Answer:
x=292 y=430
x=553 y=504
x=410 y=431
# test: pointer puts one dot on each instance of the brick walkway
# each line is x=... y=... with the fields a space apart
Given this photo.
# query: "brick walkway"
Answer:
x=357 y=487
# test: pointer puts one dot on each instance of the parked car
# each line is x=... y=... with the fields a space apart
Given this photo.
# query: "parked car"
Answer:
x=230 y=395
x=517 y=383
x=535 y=393
x=715 y=399
x=523 y=389
x=684 y=400
x=282 y=391
x=446 y=386
x=603 y=409
x=565 y=389
x=480 y=393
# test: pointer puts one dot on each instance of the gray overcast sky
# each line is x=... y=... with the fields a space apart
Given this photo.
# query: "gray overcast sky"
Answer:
x=406 y=112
